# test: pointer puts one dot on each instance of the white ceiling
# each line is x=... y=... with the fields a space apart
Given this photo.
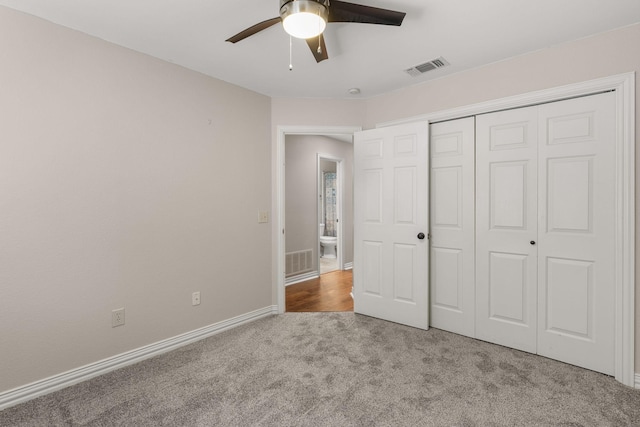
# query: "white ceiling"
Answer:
x=467 y=33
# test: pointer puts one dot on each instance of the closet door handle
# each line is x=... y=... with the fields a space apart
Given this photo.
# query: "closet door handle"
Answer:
x=420 y=236
x=533 y=242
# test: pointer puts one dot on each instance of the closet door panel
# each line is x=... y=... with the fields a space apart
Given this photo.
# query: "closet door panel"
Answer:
x=506 y=226
x=452 y=278
x=545 y=230
x=576 y=295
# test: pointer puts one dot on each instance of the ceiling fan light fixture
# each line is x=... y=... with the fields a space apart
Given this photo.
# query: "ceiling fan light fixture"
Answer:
x=304 y=19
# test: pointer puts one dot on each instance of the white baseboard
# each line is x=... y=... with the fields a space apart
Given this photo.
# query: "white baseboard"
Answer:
x=292 y=280
x=348 y=265
x=83 y=373
x=638 y=380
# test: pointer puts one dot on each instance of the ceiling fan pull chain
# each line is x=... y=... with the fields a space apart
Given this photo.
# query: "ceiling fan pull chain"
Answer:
x=290 y=54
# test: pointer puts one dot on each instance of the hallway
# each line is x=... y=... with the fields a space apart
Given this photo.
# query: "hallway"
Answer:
x=329 y=292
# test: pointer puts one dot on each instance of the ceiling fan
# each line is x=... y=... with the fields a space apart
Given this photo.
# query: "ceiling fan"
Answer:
x=307 y=19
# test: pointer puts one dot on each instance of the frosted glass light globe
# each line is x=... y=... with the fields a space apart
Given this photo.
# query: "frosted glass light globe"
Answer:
x=304 y=25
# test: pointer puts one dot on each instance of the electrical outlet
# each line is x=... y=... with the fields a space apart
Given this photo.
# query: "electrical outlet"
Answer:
x=117 y=317
x=263 y=217
x=195 y=298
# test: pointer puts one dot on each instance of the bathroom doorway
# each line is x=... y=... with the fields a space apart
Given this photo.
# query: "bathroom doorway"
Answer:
x=330 y=257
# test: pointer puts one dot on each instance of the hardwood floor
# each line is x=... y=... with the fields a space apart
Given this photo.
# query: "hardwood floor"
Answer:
x=329 y=292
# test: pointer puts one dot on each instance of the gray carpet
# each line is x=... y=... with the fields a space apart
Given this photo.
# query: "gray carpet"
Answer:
x=338 y=369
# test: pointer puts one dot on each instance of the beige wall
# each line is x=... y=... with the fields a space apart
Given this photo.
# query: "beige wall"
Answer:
x=125 y=181
x=603 y=55
x=317 y=112
x=301 y=199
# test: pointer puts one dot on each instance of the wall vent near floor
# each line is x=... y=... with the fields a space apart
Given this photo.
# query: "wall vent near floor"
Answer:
x=427 y=66
x=298 y=262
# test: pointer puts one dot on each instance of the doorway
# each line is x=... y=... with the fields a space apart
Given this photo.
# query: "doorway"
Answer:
x=296 y=233
x=329 y=198
x=544 y=238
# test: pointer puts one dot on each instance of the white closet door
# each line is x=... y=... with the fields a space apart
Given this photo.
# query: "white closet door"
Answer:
x=576 y=294
x=391 y=218
x=452 y=284
x=506 y=226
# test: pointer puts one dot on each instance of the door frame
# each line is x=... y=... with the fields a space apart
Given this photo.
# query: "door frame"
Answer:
x=339 y=205
x=278 y=207
x=624 y=87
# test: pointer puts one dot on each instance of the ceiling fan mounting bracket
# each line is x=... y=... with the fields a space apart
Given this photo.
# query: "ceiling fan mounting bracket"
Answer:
x=311 y=6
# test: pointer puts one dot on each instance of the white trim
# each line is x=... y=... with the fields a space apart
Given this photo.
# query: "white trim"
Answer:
x=348 y=265
x=83 y=373
x=624 y=87
x=638 y=381
x=279 y=222
x=625 y=229
x=292 y=280
x=531 y=98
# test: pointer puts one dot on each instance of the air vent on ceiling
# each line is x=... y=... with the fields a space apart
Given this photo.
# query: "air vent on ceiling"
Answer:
x=427 y=66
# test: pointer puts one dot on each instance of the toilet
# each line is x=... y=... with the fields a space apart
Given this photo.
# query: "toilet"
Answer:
x=328 y=244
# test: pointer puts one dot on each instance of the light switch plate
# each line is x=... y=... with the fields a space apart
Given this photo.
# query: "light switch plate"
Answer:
x=263 y=217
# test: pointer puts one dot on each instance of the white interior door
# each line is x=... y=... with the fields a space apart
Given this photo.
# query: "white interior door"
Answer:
x=576 y=293
x=390 y=267
x=506 y=226
x=452 y=266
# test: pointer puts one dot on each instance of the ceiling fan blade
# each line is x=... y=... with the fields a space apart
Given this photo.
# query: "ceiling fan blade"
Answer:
x=313 y=45
x=341 y=11
x=254 y=29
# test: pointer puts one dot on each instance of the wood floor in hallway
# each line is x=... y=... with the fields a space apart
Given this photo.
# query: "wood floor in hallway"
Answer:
x=329 y=292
